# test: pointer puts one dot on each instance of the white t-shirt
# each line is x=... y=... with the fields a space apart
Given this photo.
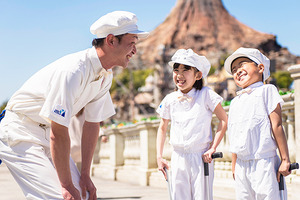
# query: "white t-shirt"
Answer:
x=61 y=89
x=190 y=120
x=249 y=127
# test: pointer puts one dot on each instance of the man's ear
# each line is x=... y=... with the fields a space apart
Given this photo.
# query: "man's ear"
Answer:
x=199 y=75
x=110 y=39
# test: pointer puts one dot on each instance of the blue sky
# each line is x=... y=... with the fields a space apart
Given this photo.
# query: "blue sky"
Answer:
x=34 y=33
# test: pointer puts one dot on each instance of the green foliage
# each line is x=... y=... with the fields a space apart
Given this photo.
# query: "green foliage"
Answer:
x=283 y=79
x=3 y=106
x=223 y=58
x=212 y=70
x=138 y=78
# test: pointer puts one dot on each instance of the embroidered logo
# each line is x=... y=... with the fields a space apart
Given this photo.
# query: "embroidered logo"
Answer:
x=59 y=111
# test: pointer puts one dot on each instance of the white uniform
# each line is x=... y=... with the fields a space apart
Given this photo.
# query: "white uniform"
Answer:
x=55 y=93
x=250 y=136
x=190 y=136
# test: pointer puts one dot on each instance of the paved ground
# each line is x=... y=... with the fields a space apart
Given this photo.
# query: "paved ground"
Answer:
x=107 y=189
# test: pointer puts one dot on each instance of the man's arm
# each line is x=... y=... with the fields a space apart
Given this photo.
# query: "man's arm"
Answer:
x=60 y=152
x=89 y=140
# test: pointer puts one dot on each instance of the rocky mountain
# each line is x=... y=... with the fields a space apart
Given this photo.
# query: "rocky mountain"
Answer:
x=209 y=29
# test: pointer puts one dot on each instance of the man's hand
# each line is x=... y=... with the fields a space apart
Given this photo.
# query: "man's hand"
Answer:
x=87 y=185
x=70 y=193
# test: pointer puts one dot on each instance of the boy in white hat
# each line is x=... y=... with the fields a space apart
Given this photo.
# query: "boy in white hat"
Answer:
x=34 y=134
x=254 y=117
x=190 y=110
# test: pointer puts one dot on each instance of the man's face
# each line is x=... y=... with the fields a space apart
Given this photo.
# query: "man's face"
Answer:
x=125 y=49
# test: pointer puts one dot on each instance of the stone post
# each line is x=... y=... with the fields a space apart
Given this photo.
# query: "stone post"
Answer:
x=116 y=142
x=295 y=74
x=147 y=151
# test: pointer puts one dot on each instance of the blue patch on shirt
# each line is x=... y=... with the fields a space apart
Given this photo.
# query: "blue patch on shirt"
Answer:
x=59 y=111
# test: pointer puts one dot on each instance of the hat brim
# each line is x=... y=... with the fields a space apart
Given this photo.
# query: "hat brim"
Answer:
x=231 y=58
x=184 y=62
x=141 y=34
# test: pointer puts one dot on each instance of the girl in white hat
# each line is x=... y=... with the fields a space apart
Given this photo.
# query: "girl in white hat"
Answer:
x=190 y=110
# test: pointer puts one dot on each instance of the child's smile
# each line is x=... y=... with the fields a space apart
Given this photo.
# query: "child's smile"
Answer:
x=246 y=72
x=184 y=78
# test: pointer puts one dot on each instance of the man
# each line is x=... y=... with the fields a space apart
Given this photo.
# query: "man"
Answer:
x=34 y=138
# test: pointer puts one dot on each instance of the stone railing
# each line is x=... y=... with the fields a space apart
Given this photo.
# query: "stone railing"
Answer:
x=130 y=154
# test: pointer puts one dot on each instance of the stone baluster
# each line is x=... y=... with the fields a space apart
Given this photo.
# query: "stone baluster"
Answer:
x=147 y=151
x=116 y=142
x=291 y=135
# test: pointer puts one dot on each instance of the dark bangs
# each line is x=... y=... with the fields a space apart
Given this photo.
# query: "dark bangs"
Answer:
x=198 y=84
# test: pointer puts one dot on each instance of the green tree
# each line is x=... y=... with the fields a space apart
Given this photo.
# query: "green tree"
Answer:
x=121 y=82
x=3 y=106
x=283 y=79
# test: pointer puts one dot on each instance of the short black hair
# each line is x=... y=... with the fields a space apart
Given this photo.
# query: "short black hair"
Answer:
x=98 y=42
x=198 y=85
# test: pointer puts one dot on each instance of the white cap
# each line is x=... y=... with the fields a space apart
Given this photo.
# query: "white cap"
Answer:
x=190 y=58
x=254 y=55
x=117 y=23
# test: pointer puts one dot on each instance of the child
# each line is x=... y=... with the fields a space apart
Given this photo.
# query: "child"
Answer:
x=254 y=115
x=190 y=110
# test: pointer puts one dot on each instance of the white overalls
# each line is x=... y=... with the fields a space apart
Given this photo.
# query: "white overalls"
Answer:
x=55 y=93
x=250 y=137
x=190 y=136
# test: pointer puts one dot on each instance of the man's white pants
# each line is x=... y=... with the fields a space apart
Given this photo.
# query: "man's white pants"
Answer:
x=24 y=148
x=187 y=176
x=257 y=179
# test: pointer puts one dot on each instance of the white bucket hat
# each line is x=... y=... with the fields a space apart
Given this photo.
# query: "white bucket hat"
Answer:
x=254 y=55
x=117 y=23
x=190 y=58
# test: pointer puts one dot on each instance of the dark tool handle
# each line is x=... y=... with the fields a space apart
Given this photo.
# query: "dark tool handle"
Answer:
x=292 y=167
x=0 y=161
x=213 y=156
x=217 y=155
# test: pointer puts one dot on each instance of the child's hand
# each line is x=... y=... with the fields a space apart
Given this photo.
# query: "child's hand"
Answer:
x=162 y=163
x=207 y=155
x=233 y=170
x=283 y=169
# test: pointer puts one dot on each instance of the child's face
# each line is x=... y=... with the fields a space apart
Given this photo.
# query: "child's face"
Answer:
x=184 y=77
x=246 y=72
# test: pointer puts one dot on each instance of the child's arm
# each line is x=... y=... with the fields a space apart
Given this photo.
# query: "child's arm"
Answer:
x=222 y=116
x=160 y=141
x=233 y=162
x=276 y=123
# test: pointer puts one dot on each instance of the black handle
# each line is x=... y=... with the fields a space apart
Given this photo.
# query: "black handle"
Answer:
x=0 y=161
x=213 y=156
x=217 y=155
x=292 y=167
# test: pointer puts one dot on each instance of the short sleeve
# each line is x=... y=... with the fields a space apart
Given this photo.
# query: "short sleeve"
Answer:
x=164 y=109
x=60 y=97
x=212 y=99
x=272 y=98
x=99 y=110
